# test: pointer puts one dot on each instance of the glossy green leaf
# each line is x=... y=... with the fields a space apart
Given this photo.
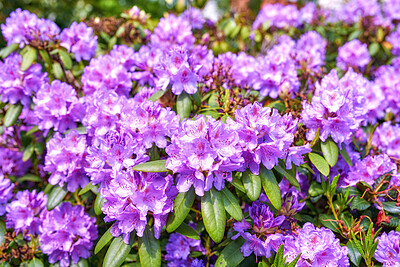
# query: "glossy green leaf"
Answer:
x=231 y=254
x=252 y=184
x=157 y=95
x=6 y=51
x=3 y=231
x=330 y=151
x=196 y=98
x=182 y=204
x=213 y=212
x=149 y=249
x=35 y=263
x=289 y=174
x=320 y=163
x=231 y=204
x=328 y=220
x=87 y=188
x=117 y=252
x=271 y=187
x=28 y=152
x=315 y=189
x=58 y=71
x=12 y=115
x=354 y=254
x=151 y=166
x=103 y=241
x=81 y=263
x=45 y=56
x=56 y=196
x=28 y=58
x=373 y=49
x=184 y=105
x=391 y=207
x=65 y=58
x=360 y=204
x=187 y=231
x=98 y=203
x=31 y=178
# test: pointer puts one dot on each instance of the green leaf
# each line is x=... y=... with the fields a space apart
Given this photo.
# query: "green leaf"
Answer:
x=56 y=196
x=290 y=176
x=34 y=129
x=391 y=207
x=355 y=35
x=252 y=184
x=184 y=105
x=237 y=182
x=3 y=231
x=35 y=263
x=98 y=203
x=157 y=95
x=373 y=49
x=182 y=204
x=213 y=211
x=231 y=254
x=354 y=254
x=359 y=204
x=103 y=241
x=315 y=189
x=86 y=188
x=330 y=151
x=28 y=152
x=6 y=51
x=30 y=177
x=117 y=252
x=196 y=98
x=12 y=115
x=65 y=58
x=320 y=163
x=58 y=71
x=149 y=249
x=187 y=231
x=45 y=56
x=231 y=204
x=329 y=222
x=271 y=187
x=28 y=58
x=151 y=166
x=81 y=263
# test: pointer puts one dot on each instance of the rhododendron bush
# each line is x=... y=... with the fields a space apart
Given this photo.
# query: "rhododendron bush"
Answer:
x=264 y=141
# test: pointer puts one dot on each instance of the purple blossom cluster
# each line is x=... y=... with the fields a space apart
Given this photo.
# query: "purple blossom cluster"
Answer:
x=310 y=51
x=337 y=109
x=144 y=63
x=6 y=192
x=388 y=249
x=58 y=107
x=67 y=234
x=21 y=27
x=65 y=160
x=79 y=39
x=353 y=54
x=16 y=85
x=393 y=39
x=318 y=247
x=11 y=162
x=23 y=213
x=277 y=15
x=387 y=139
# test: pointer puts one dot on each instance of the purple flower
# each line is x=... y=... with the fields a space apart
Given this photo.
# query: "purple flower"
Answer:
x=278 y=15
x=318 y=247
x=21 y=27
x=125 y=55
x=296 y=155
x=264 y=135
x=65 y=160
x=355 y=10
x=79 y=39
x=106 y=73
x=145 y=61
x=194 y=17
x=67 y=233
x=173 y=31
x=17 y=85
x=310 y=51
x=393 y=38
x=58 y=107
x=308 y=13
x=387 y=139
x=353 y=54
x=11 y=162
x=6 y=188
x=23 y=213
x=388 y=250
x=203 y=153
x=177 y=68
x=391 y=10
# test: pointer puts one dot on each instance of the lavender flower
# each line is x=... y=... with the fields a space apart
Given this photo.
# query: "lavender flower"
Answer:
x=21 y=27
x=11 y=162
x=6 y=188
x=393 y=39
x=67 y=233
x=310 y=51
x=176 y=68
x=194 y=17
x=203 y=153
x=65 y=160
x=125 y=55
x=387 y=139
x=355 y=10
x=391 y=9
x=264 y=136
x=388 y=250
x=23 y=213
x=17 y=85
x=318 y=247
x=58 y=107
x=145 y=61
x=79 y=39
x=277 y=15
x=353 y=54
